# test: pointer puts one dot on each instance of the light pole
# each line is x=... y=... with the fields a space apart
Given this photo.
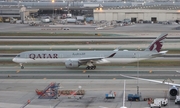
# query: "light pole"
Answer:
x=138 y=74
x=53 y=6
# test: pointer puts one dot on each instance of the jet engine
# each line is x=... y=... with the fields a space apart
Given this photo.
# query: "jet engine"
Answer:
x=173 y=91
x=72 y=63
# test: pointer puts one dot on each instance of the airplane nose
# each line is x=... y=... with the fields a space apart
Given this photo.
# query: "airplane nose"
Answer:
x=14 y=59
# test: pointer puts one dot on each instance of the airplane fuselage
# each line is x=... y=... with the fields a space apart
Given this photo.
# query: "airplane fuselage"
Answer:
x=62 y=56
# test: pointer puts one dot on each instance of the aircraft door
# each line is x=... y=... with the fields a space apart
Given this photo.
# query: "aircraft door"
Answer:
x=134 y=55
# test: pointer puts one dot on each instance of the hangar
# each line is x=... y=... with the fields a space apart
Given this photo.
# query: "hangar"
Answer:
x=135 y=14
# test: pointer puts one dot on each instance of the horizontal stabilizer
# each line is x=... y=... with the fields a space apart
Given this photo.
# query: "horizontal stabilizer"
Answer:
x=159 y=54
x=163 y=52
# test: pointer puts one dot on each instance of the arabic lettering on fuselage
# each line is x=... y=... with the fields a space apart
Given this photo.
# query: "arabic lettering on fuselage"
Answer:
x=41 y=56
x=79 y=53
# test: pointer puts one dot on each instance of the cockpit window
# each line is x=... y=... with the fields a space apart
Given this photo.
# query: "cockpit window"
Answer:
x=18 y=55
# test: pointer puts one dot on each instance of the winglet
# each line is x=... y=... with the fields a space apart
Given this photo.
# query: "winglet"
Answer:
x=157 y=44
x=117 y=49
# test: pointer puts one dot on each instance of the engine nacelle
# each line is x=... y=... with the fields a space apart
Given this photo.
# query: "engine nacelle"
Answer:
x=72 y=63
x=173 y=91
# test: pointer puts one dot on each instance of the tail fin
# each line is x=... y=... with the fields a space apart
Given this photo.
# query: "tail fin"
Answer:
x=157 y=44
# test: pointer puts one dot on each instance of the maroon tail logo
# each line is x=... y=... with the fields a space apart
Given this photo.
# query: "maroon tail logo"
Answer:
x=157 y=45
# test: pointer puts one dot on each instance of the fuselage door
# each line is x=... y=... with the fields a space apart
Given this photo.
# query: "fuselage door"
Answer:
x=134 y=55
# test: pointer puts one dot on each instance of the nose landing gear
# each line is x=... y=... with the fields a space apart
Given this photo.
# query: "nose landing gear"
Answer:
x=22 y=67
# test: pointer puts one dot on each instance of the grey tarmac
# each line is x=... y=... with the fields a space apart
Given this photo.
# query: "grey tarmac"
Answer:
x=14 y=93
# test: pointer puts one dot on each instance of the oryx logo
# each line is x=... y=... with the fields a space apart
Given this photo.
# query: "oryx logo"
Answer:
x=157 y=45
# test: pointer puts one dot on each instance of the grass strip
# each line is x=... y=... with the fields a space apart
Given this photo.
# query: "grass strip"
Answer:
x=68 y=42
x=46 y=34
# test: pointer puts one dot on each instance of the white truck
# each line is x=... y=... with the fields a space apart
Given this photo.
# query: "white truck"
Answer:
x=158 y=102
x=155 y=105
x=177 y=100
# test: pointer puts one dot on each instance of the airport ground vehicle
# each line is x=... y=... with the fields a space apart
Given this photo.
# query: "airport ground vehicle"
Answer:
x=163 y=101
x=155 y=105
x=158 y=102
x=134 y=97
x=177 y=100
x=110 y=95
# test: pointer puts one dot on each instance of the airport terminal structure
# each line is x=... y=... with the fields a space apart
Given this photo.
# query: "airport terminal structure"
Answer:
x=100 y=10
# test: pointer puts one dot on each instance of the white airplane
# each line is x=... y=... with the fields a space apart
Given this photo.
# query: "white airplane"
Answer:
x=74 y=59
x=173 y=91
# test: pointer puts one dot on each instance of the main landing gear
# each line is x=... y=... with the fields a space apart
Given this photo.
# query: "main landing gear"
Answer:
x=22 y=67
x=91 y=67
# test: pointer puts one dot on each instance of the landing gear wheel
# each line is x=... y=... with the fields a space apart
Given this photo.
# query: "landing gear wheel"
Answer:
x=91 y=67
x=87 y=67
x=22 y=67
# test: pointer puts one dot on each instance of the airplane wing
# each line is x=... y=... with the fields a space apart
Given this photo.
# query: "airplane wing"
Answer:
x=91 y=58
x=155 y=81
x=95 y=58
